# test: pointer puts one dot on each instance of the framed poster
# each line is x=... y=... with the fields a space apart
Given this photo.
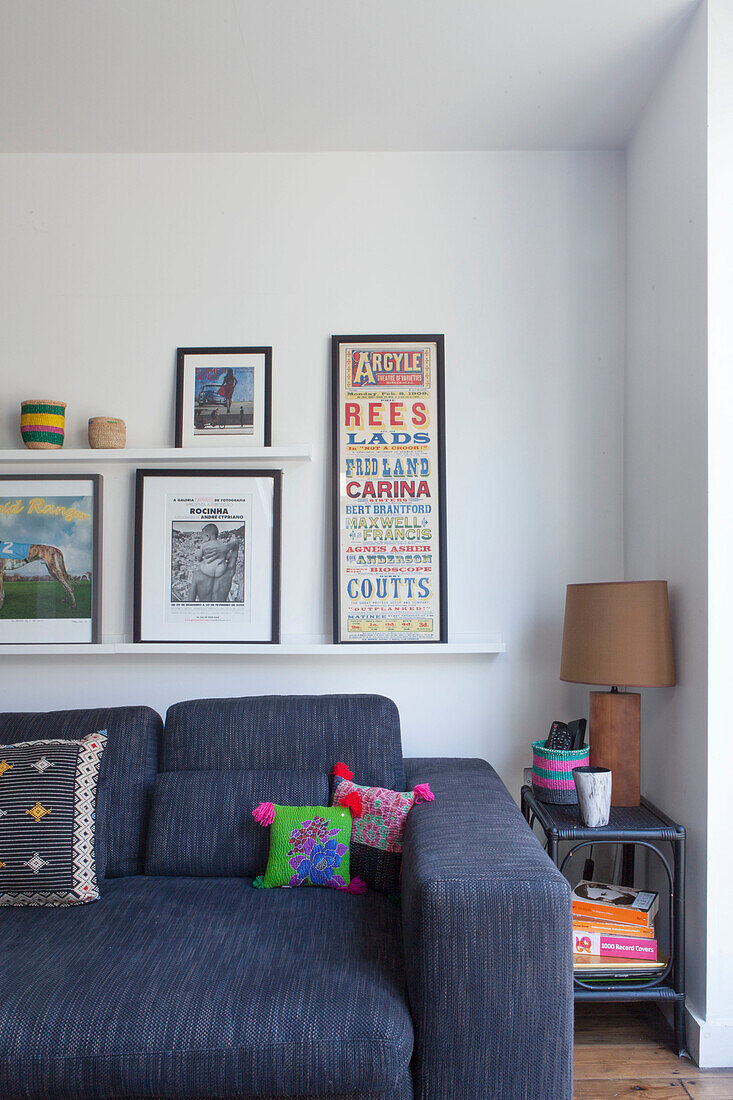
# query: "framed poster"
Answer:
x=50 y=558
x=207 y=556
x=389 y=564
x=223 y=397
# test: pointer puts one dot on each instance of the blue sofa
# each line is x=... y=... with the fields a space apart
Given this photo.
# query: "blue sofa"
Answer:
x=190 y=985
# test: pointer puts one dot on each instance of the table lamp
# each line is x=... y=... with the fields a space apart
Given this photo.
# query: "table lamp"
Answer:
x=617 y=634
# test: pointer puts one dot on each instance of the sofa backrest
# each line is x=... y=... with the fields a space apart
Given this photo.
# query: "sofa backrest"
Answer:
x=304 y=732
x=126 y=777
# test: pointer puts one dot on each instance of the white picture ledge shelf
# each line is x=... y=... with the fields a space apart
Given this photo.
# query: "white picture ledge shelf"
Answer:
x=283 y=649
x=286 y=452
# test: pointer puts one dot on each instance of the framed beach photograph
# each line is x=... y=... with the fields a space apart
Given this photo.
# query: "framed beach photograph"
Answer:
x=207 y=556
x=50 y=558
x=389 y=527
x=223 y=397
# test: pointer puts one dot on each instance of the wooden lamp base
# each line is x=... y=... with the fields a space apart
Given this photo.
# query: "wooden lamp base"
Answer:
x=615 y=742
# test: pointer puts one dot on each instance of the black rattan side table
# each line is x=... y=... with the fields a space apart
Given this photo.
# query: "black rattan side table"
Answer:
x=643 y=826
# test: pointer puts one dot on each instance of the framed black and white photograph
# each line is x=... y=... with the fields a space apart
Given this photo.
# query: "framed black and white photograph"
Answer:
x=207 y=556
x=50 y=558
x=223 y=397
x=389 y=524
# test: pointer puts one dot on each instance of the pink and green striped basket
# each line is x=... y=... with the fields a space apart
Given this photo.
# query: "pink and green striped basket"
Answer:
x=552 y=773
x=42 y=424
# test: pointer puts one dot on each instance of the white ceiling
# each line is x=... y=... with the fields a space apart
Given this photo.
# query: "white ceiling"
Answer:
x=238 y=75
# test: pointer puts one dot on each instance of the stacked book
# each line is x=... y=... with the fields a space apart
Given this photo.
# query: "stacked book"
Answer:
x=613 y=933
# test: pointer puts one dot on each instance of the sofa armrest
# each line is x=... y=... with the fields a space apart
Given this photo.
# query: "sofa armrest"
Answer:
x=486 y=924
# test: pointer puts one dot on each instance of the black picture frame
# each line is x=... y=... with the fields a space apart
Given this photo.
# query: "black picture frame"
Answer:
x=140 y=477
x=96 y=595
x=181 y=354
x=336 y=344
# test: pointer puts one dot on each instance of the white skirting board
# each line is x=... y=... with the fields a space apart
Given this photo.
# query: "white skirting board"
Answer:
x=710 y=1042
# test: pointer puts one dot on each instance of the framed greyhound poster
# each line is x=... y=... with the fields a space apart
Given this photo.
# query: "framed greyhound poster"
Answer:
x=223 y=397
x=50 y=558
x=389 y=565
x=207 y=556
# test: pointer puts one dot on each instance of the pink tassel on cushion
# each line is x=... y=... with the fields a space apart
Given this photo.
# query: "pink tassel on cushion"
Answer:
x=356 y=886
x=342 y=771
x=423 y=793
x=352 y=801
x=264 y=814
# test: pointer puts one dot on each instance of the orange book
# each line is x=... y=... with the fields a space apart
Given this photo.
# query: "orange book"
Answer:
x=610 y=927
x=621 y=904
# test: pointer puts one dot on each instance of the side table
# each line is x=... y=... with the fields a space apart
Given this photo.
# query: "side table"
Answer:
x=642 y=826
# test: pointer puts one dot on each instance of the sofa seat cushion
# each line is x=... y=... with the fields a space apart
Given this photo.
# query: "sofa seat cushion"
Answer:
x=190 y=987
x=403 y=1091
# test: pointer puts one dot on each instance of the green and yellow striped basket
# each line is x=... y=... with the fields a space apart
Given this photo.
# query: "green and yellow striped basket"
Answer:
x=42 y=424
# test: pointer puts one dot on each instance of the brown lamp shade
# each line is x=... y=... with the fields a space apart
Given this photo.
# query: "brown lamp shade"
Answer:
x=618 y=634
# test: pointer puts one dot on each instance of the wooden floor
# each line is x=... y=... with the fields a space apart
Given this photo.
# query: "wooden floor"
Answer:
x=623 y=1050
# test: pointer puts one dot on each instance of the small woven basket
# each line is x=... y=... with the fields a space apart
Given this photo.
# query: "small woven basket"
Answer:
x=107 y=431
x=552 y=773
x=42 y=424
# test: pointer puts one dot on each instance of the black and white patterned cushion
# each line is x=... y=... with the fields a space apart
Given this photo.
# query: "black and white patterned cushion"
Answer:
x=48 y=793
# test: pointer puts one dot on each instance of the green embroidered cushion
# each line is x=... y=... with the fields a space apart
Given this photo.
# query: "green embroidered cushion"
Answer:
x=309 y=846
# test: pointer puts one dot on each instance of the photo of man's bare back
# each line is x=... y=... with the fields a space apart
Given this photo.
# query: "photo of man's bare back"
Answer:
x=207 y=563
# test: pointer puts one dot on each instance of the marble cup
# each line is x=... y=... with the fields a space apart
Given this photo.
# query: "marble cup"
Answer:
x=594 y=795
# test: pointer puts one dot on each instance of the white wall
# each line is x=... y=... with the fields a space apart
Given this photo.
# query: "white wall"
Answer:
x=110 y=262
x=719 y=1030
x=665 y=464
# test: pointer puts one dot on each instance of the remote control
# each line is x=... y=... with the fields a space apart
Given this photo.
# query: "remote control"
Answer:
x=577 y=731
x=559 y=738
